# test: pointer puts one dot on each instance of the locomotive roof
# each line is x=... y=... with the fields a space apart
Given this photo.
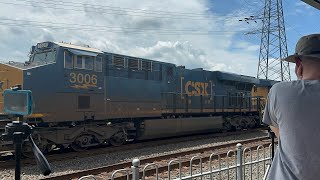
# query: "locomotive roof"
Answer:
x=236 y=77
x=78 y=47
x=73 y=46
x=266 y=82
x=227 y=76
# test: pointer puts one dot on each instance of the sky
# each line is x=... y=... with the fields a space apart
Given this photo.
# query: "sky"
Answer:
x=195 y=33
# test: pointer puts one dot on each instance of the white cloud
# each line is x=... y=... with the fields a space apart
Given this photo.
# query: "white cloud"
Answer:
x=246 y=46
x=147 y=35
x=180 y=53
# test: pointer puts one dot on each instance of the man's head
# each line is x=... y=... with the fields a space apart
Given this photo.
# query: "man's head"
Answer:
x=307 y=57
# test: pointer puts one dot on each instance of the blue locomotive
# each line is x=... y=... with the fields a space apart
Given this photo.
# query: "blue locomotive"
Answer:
x=85 y=97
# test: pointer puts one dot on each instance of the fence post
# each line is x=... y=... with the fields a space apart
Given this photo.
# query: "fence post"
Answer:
x=239 y=162
x=135 y=169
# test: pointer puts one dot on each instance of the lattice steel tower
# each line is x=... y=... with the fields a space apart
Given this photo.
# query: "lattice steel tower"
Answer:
x=273 y=48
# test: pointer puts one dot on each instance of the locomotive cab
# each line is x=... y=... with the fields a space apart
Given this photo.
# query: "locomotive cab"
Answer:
x=43 y=53
x=14 y=73
x=52 y=72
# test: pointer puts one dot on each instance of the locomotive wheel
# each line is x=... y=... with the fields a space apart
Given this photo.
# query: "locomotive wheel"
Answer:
x=244 y=123
x=82 y=142
x=117 y=139
x=252 y=123
x=227 y=126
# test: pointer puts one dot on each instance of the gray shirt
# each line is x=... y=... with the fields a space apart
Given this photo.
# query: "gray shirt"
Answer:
x=294 y=108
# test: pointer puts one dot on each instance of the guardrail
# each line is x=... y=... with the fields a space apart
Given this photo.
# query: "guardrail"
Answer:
x=241 y=163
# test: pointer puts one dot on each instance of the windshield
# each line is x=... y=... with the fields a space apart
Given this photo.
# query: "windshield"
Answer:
x=48 y=56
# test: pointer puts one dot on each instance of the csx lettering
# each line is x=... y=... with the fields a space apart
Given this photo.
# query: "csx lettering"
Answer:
x=196 y=88
x=80 y=78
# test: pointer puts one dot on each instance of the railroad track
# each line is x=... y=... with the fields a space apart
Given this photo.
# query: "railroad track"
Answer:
x=163 y=160
x=105 y=150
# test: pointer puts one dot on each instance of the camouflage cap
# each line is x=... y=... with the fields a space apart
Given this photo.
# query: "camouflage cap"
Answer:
x=307 y=46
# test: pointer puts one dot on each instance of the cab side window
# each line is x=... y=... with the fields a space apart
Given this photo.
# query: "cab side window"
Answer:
x=98 y=64
x=88 y=62
x=78 y=62
x=68 y=63
x=83 y=62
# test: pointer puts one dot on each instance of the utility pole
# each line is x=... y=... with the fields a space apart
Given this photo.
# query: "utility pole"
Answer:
x=273 y=47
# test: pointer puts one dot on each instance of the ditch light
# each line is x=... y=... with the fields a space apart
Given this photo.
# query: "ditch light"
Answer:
x=17 y=102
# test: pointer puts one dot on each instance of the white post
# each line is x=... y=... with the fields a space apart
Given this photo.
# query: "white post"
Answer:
x=135 y=169
x=239 y=162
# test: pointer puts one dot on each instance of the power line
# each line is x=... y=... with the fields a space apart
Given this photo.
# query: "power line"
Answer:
x=103 y=12
x=164 y=15
x=257 y=12
x=117 y=8
x=80 y=27
x=48 y=23
x=103 y=28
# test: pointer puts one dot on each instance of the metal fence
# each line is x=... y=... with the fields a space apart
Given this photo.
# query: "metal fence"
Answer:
x=239 y=164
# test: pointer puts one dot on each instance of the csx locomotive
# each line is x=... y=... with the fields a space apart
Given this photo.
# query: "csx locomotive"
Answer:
x=84 y=97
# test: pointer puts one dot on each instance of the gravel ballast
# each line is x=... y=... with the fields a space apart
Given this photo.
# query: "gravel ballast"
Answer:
x=78 y=164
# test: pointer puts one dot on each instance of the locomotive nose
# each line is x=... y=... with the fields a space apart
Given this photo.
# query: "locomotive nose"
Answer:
x=9 y=76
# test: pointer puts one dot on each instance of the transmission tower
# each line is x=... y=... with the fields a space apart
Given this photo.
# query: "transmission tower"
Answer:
x=273 y=47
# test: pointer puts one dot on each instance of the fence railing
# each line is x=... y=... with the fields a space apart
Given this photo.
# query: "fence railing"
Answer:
x=239 y=164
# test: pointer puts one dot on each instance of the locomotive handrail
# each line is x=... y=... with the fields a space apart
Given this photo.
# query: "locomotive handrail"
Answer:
x=245 y=96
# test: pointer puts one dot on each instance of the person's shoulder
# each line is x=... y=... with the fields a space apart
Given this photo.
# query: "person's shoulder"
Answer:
x=286 y=84
x=283 y=86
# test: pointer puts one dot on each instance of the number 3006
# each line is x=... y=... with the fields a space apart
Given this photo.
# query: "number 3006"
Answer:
x=83 y=78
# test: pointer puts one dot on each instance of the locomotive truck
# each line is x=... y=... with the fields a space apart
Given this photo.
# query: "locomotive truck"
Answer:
x=85 y=97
